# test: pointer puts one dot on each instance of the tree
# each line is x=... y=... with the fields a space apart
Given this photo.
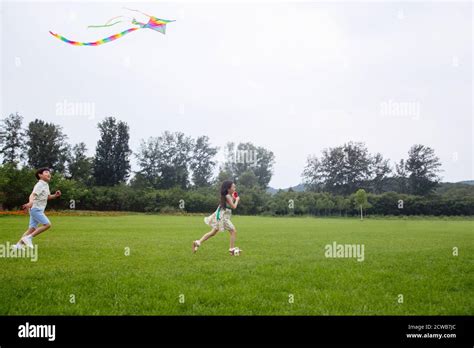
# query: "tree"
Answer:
x=176 y=155
x=333 y=170
x=202 y=163
x=165 y=160
x=264 y=166
x=247 y=156
x=149 y=158
x=379 y=169
x=325 y=203
x=111 y=161
x=341 y=170
x=361 y=201
x=312 y=174
x=80 y=166
x=139 y=182
x=356 y=169
x=222 y=176
x=103 y=160
x=12 y=139
x=341 y=204
x=321 y=204
x=121 y=153
x=401 y=176
x=248 y=179
x=46 y=146
x=15 y=185
x=239 y=159
x=422 y=166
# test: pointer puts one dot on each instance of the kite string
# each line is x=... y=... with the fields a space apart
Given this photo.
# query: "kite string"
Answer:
x=126 y=8
x=129 y=19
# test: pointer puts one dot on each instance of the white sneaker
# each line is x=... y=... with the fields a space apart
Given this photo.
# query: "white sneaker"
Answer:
x=18 y=246
x=28 y=241
x=235 y=251
x=196 y=245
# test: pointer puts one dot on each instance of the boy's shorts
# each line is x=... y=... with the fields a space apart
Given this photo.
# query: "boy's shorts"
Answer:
x=37 y=217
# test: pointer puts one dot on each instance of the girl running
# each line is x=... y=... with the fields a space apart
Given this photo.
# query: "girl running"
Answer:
x=220 y=219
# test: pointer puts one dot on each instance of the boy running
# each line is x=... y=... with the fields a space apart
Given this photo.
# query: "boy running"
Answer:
x=36 y=205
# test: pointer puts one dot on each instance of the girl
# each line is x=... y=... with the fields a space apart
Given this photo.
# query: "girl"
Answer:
x=220 y=219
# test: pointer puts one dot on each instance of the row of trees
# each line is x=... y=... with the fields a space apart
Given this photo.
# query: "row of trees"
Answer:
x=16 y=184
x=174 y=159
x=166 y=161
x=344 y=169
x=174 y=167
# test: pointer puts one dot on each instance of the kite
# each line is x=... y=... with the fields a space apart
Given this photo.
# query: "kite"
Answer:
x=153 y=23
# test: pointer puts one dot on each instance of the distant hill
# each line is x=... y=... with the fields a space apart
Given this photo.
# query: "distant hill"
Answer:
x=458 y=189
x=297 y=188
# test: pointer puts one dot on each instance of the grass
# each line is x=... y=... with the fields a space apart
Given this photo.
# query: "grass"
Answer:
x=85 y=256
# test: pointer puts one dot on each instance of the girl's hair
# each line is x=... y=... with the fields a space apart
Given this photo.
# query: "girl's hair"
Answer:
x=225 y=191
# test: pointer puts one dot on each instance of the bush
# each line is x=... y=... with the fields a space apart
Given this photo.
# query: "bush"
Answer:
x=16 y=185
x=171 y=210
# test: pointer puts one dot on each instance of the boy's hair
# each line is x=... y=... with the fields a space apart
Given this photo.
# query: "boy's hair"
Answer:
x=40 y=171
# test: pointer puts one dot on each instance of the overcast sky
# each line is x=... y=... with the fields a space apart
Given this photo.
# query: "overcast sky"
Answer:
x=292 y=77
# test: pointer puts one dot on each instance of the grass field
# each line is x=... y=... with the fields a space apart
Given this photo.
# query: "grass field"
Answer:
x=85 y=256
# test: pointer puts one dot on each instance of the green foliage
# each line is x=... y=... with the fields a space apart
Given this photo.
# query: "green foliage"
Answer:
x=202 y=163
x=165 y=161
x=111 y=161
x=80 y=166
x=248 y=179
x=247 y=157
x=361 y=198
x=15 y=186
x=12 y=139
x=344 y=169
x=46 y=146
x=422 y=166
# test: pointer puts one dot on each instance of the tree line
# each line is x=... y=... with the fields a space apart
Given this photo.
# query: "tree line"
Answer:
x=176 y=173
x=165 y=161
x=344 y=169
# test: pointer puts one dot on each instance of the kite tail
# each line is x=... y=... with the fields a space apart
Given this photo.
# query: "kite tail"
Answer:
x=96 y=43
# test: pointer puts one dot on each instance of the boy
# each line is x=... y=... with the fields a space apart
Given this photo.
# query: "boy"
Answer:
x=37 y=203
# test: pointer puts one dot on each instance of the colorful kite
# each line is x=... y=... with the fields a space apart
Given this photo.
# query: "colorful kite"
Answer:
x=153 y=23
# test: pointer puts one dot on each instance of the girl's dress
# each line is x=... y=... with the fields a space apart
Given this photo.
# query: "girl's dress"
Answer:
x=220 y=219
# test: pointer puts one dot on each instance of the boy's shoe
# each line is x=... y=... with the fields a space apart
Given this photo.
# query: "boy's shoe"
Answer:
x=18 y=246
x=28 y=241
x=196 y=245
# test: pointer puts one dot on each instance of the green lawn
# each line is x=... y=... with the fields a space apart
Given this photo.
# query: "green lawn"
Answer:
x=84 y=256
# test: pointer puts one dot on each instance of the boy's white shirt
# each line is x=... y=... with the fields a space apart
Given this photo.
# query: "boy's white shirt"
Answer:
x=41 y=190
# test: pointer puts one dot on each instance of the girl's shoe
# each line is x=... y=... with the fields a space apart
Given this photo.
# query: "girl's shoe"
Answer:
x=235 y=251
x=196 y=245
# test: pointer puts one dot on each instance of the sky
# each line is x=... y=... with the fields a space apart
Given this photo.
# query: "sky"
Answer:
x=293 y=77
